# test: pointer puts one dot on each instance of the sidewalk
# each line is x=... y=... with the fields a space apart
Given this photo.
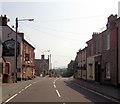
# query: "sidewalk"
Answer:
x=110 y=91
x=9 y=89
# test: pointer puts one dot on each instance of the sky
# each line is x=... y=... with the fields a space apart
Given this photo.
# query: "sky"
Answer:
x=61 y=26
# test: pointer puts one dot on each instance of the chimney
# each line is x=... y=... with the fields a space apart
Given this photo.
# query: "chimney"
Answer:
x=3 y=20
x=111 y=21
x=43 y=57
x=21 y=35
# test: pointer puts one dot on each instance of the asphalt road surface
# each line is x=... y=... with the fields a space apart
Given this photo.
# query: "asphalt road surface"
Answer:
x=56 y=90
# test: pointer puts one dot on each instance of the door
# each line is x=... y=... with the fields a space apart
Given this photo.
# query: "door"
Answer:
x=97 y=72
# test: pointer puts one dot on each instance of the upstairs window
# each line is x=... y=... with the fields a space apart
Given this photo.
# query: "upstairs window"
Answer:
x=108 y=41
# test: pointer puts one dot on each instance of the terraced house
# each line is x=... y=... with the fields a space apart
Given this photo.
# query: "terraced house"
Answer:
x=118 y=46
x=103 y=54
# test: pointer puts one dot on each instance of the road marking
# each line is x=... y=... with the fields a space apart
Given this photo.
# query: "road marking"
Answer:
x=58 y=93
x=17 y=94
x=10 y=98
x=54 y=85
x=28 y=86
x=112 y=99
x=20 y=92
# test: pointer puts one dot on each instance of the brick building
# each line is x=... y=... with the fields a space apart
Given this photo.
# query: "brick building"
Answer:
x=28 y=64
x=118 y=46
x=109 y=52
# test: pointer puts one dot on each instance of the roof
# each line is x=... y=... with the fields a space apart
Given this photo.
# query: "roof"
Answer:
x=28 y=43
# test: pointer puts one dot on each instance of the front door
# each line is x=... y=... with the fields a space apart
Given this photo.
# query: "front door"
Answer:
x=97 y=72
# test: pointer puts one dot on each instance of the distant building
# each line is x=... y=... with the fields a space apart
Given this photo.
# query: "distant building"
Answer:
x=81 y=64
x=42 y=66
x=38 y=70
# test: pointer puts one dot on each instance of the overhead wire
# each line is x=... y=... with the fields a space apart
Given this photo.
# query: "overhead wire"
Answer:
x=73 y=41
x=28 y=38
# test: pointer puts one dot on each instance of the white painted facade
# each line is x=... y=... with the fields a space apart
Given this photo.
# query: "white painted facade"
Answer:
x=91 y=68
x=7 y=34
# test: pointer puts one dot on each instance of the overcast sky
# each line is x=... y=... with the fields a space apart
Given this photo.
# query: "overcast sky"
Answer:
x=61 y=26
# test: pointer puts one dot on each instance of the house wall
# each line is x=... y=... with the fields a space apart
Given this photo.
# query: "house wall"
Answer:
x=109 y=55
x=7 y=34
x=91 y=68
x=28 y=65
x=118 y=25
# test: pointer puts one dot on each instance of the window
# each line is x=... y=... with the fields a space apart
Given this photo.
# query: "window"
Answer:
x=92 y=49
x=107 y=70
x=91 y=70
x=108 y=41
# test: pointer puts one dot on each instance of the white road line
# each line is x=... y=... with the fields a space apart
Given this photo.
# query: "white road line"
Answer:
x=112 y=99
x=11 y=98
x=28 y=86
x=20 y=92
x=58 y=93
x=54 y=85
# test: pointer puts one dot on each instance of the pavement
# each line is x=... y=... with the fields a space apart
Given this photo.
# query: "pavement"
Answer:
x=107 y=90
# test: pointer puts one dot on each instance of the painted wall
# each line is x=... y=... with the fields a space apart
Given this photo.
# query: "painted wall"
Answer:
x=91 y=71
x=7 y=34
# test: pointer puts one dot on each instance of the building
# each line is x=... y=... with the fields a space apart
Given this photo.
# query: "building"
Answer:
x=97 y=49
x=83 y=63
x=118 y=46
x=94 y=57
x=8 y=42
x=38 y=70
x=44 y=65
x=78 y=67
x=25 y=54
x=28 y=64
x=109 y=52
x=90 y=61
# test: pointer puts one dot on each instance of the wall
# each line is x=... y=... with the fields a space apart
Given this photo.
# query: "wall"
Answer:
x=118 y=24
x=90 y=60
x=7 y=34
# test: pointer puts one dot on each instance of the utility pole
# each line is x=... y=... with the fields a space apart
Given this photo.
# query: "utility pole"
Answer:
x=16 y=47
x=15 y=69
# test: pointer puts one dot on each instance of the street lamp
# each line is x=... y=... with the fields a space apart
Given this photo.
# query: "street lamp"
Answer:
x=15 y=69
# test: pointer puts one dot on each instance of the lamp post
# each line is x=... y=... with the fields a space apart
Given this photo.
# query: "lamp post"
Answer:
x=16 y=46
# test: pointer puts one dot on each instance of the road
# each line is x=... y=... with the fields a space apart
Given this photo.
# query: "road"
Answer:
x=56 y=90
